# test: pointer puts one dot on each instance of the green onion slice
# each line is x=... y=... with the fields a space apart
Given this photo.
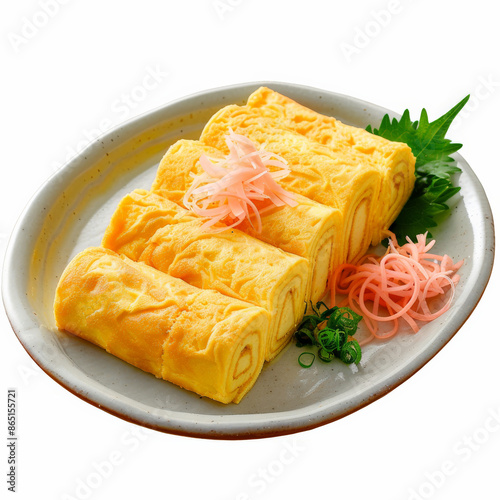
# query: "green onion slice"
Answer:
x=308 y=356
x=332 y=340
x=351 y=352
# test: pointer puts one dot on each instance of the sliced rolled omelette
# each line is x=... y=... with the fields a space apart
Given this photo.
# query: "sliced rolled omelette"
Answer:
x=316 y=171
x=201 y=340
x=394 y=159
x=307 y=230
x=149 y=228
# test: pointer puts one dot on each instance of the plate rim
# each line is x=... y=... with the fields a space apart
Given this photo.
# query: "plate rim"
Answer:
x=17 y=316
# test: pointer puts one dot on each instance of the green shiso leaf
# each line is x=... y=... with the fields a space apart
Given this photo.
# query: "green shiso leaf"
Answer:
x=434 y=168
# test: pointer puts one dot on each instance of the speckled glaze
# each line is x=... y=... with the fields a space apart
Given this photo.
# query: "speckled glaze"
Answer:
x=72 y=209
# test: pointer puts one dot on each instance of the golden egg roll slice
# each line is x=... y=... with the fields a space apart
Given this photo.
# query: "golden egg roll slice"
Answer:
x=394 y=159
x=201 y=340
x=316 y=171
x=308 y=230
x=149 y=228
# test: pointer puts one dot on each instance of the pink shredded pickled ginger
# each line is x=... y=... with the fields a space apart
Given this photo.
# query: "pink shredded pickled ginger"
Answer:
x=239 y=186
x=399 y=285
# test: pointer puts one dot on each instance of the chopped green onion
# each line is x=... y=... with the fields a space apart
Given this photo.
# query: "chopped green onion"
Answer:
x=344 y=318
x=306 y=355
x=304 y=337
x=331 y=340
x=351 y=352
x=334 y=339
x=325 y=355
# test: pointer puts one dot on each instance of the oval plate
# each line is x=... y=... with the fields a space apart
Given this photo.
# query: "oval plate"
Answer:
x=71 y=211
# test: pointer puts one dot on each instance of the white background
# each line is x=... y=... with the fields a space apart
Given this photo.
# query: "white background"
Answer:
x=67 y=74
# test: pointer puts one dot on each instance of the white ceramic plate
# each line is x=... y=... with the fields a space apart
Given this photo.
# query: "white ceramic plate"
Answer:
x=70 y=213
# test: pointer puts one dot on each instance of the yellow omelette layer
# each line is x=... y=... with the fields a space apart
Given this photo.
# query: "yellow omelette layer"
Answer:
x=149 y=228
x=201 y=340
x=307 y=230
x=213 y=338
x=316 y=172
x=394 y=160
